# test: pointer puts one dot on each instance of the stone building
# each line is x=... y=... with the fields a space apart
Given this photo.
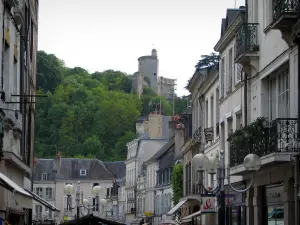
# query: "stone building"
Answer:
x=17 y=91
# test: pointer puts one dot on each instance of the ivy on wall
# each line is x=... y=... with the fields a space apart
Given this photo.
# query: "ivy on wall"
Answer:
x=177 y=182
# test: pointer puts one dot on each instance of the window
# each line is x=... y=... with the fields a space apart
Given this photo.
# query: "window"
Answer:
x=39 y=192
x=38 y=210
x=83 y=172
x=239 y=121
x=222 y=77
x=188 y=175
x=230 y=70
x=212 y=111
x=44 y=176
x=279 y=90
x=238 y=73
x=95 y=205
x=206 y=114
x=49 y=193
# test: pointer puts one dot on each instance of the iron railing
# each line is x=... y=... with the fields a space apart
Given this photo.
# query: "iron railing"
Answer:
x=246 y=39
x=263 y=137
x=281 y=7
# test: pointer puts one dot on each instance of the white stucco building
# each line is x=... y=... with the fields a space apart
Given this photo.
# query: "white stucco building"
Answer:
x=51 y=176
x=258 y=82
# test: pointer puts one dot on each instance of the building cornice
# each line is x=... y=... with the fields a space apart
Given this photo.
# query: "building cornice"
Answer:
x=229 y=34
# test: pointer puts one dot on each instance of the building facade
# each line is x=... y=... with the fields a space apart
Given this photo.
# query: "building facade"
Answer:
x=17 y=94
x=140 y=150
x=51 y=176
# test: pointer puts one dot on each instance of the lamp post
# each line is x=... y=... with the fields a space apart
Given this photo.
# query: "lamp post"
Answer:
x=213 y=165
x=80 y=202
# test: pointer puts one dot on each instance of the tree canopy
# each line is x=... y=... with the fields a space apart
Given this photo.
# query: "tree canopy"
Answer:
x=87 y=115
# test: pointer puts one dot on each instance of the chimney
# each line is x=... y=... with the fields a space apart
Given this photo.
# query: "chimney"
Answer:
x=179 y=138
x=155 y=126
x=58 y=162
x=172 y=127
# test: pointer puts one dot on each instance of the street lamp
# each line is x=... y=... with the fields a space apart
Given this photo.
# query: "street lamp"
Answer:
x=87 y=204
x=69 y=189
x=213 y=165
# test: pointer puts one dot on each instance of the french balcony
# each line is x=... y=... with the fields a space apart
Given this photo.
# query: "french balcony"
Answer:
x=285 y=15
x=246 y=47
x=273 y=141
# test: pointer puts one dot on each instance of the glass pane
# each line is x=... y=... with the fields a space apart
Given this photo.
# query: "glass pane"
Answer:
x=243 y=215
x=275 y=215
x=234 y=216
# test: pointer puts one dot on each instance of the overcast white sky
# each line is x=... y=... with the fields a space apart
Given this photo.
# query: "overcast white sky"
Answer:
x=111 y=34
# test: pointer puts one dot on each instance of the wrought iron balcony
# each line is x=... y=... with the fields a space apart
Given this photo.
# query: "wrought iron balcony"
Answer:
x=285 y=11
x=246 y=42
x=285 y=15
x=263 y=137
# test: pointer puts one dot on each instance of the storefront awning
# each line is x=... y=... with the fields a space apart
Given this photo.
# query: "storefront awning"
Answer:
x=176 y=207
x=190 y=217
x=170 y=222
x=42 y=201
x=12 y=186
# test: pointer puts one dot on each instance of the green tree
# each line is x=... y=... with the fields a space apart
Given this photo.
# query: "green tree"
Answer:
x=49 y=71
x=86 y=115
x=177 y=182
x=208 y=61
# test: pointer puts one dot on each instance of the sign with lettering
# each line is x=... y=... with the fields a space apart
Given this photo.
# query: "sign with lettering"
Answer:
x=274 y=193
x=209 y=134
x=208 y=204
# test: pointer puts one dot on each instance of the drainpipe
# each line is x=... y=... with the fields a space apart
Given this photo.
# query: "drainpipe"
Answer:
x=246 y=75
x=3 y=46
x=245 y=98
x=296 y=169
x=22 y=105
x=296 y=187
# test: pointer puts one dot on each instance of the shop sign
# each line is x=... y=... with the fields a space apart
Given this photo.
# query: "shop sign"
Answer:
x=209 y=134
x=208 y=204
x=274 y=193
x=233 y=197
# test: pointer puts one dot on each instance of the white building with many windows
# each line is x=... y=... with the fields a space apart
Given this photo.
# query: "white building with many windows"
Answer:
x=51 y=176
x=263 y=99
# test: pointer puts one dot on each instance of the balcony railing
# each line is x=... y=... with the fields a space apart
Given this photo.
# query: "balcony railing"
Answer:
x=263 y=137
x=284 y=7
x=246 y=40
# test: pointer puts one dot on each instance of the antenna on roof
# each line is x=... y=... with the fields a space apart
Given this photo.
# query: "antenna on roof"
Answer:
x=235 y=4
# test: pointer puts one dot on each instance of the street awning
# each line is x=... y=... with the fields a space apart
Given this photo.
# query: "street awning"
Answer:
x=12 y=186
x=170 y=222
x=190 y=217
x=42 y=201
x=176 y=207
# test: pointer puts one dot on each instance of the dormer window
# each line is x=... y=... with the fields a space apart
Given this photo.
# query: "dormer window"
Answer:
x=82 y=172
x=44 y=176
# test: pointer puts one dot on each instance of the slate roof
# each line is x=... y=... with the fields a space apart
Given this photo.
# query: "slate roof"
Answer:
x=118 y=169
x=163 y=150
x=44 y=166
x=231 y=14
x=70 y=169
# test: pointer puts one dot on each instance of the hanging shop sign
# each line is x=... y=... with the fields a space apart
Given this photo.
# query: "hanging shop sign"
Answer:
x=208 y=204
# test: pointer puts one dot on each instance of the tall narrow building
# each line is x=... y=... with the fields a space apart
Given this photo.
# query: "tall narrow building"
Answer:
x=19 y=21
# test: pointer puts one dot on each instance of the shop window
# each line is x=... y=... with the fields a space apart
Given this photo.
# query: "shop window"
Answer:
x=275 y=215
